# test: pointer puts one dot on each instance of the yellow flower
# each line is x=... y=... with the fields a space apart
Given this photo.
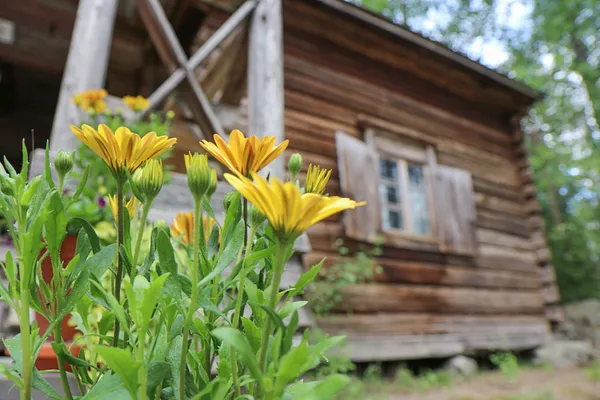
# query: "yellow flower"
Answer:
x=244 y=155
x=91 y=99
x=289 y=212
x=131 y=205
x=136 y=103
x=183 y=227
x=316 y=179
x=123 y=150
x=99 y=107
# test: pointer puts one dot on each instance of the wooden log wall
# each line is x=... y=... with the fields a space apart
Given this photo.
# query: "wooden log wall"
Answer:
x=342 y=76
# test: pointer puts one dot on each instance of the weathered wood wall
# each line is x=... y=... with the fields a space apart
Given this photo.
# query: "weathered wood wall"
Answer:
x=341 y=75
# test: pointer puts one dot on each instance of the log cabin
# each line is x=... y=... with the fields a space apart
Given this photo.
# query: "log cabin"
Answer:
x=429 y=138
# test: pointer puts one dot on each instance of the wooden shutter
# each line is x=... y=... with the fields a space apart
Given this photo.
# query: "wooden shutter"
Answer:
x=359 y=180
x=455 y=212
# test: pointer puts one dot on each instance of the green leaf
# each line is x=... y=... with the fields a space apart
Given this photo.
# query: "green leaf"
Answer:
x=13 y=345
x=113 y=306
x=228 y=255
x=47 y=169
x=56 y=224
x=288 y=337
x=89 y=229
x=25 y=161
x=326 y=389
x=166 y=255
x=291 y=366
x=233 y=337
x=306 y=278
x=80 y=186
x=157 y=372
x=253 y=333
x=276 y=318
x=122 y=363
x=151 y=296
x=174 y=358
x=109 y=387
x=99 y=262
x=291 y=307
x=61 y=350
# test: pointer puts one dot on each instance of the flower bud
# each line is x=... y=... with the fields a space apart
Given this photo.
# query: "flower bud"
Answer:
x=150 y=180
x=213 y=184
x=199 y=174
x=295 y=164
x=63 y=162
x=257 y=218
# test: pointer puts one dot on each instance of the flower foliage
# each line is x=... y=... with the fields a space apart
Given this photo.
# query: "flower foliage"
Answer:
x=157 y=323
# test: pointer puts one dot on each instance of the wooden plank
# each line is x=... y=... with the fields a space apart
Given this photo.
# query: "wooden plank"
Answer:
x=492 y=237
x=265 y=76
x=503 y=223
x=338 y=88
x=498 y=257
x=86 y=65
x=400 y=271
x=498 y=205
x=371 y=298
x=550 y=293
x=384 y=324
x=414 y=347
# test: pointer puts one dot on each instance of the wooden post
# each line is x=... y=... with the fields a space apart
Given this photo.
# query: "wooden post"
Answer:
x=86 y=65
x=265 y=76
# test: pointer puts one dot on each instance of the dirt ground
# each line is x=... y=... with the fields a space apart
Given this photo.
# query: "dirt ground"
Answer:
x=571 y=384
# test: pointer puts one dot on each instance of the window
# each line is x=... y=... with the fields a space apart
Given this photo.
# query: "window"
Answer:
x=404 y=185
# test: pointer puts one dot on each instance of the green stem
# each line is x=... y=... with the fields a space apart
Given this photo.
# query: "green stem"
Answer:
x=24 y=323
x=119 y=277
x=25 y=344
x=142 y=375
x=280 y=259
x=138 y=242
x=193 y=298
x=61 y=364
x=57 y=272
x=238 y=308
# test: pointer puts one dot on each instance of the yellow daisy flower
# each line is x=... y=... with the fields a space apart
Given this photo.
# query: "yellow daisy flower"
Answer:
x=123 y=150
x=183 y=227
x=289 y=212
x=316 y=179
x=136 y=103
x=244 y=155
x=131 y=206
x=91 y=99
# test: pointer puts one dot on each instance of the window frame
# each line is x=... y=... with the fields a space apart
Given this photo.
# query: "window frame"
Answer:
x=406 y=151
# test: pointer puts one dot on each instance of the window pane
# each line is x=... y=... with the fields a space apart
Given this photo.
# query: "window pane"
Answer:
x=418 y=201
x=388 y=168
x=392 y=219
x=415 y=175
x=389 y=194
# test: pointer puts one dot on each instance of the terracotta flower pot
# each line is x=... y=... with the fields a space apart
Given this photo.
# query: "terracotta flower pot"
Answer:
x=47 y=357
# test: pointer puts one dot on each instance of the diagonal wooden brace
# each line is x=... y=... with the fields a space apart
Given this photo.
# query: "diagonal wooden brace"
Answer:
x=173 y=55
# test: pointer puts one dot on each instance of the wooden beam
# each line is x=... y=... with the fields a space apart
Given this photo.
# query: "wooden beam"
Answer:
x=86 y=64
x=173 y=55
x=265 y=76
x=179 y=74
x=218 y=71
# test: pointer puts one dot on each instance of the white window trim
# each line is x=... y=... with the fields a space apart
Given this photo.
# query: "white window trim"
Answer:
x=395 y=147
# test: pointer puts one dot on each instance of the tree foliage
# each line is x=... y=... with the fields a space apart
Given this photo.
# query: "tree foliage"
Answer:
x=554 y=48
